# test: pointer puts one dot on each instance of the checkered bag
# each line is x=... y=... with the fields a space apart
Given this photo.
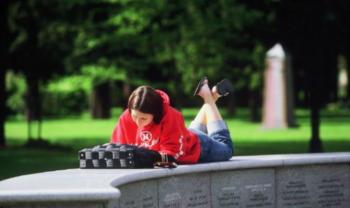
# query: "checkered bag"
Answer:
x=118 y=156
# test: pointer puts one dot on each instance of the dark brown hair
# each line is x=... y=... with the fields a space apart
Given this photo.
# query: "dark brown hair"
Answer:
x=146 y=100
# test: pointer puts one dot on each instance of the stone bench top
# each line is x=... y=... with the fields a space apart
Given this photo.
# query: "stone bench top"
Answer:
x=99 y=184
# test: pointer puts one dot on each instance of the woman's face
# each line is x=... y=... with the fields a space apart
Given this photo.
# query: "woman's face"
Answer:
x=141 y=119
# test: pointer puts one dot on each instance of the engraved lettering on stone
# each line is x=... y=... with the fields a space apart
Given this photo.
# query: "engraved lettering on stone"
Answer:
x=258 y=195
x=172 y=200
x=198 y=198
x=148 y=202
x=130 y=204
x=296 y=194
x=229 y=197
x=331 y=193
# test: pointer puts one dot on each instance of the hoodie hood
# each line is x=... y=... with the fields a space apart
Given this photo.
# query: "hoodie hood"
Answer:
x=165 y=97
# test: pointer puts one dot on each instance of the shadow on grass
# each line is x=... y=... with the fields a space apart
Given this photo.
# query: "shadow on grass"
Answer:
x=19 y=160
x=269 y=147
x=46 y=144
x=38 y=156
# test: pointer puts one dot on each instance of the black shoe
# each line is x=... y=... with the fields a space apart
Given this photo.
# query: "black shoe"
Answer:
x=224 y=87
x=199 y=86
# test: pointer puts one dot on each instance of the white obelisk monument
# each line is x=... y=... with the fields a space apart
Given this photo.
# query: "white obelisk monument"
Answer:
x=274 y=103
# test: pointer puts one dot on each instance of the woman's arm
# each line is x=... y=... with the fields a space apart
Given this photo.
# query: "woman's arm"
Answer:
x=122 y=130
x=172 y=135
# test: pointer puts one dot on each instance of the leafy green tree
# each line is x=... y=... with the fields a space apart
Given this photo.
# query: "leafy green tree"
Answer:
x=109 y=47
x=37 y=48
x=320 y=33
x=217 y=39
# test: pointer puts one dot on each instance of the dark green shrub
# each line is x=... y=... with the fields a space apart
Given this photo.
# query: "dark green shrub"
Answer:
x=15 y=90
x=67 y=96
x=65 y=103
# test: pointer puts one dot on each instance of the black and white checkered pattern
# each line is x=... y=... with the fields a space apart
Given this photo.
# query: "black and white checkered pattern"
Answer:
x=117 y=156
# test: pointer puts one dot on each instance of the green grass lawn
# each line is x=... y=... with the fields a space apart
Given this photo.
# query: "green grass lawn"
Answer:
x=77 y=133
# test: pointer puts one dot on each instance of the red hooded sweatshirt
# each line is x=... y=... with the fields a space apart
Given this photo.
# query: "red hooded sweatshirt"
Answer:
x=170 y=136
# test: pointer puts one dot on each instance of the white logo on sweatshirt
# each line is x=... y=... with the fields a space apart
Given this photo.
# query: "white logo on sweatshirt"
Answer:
x=181 y=149
x=147 y=139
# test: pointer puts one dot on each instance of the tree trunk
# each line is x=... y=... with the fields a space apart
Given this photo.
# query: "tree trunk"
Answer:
x=231 y=106
x=100 y=101
x=315 y=142
x=126 y=90
x=291 y=121
x=254 y=105
x=4 y=46
x=2 y=108
x=315 y=61
x=315 y=89
x=33 y=104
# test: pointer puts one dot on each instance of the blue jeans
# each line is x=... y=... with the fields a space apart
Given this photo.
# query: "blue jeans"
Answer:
x=215 y=141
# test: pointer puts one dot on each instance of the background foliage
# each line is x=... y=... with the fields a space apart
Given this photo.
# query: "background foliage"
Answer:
x=162 y=43
x=73 y=58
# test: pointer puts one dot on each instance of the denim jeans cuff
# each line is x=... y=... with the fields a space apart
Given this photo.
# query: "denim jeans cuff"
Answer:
x=198 y=126
x=215 y=126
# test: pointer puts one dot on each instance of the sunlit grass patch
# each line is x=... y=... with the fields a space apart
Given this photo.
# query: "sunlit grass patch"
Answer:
x=76 y=133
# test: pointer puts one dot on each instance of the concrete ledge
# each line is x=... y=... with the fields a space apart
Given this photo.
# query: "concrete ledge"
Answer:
x=113 y=187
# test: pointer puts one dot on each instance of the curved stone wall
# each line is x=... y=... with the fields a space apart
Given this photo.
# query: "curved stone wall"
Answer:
x=301 y=180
